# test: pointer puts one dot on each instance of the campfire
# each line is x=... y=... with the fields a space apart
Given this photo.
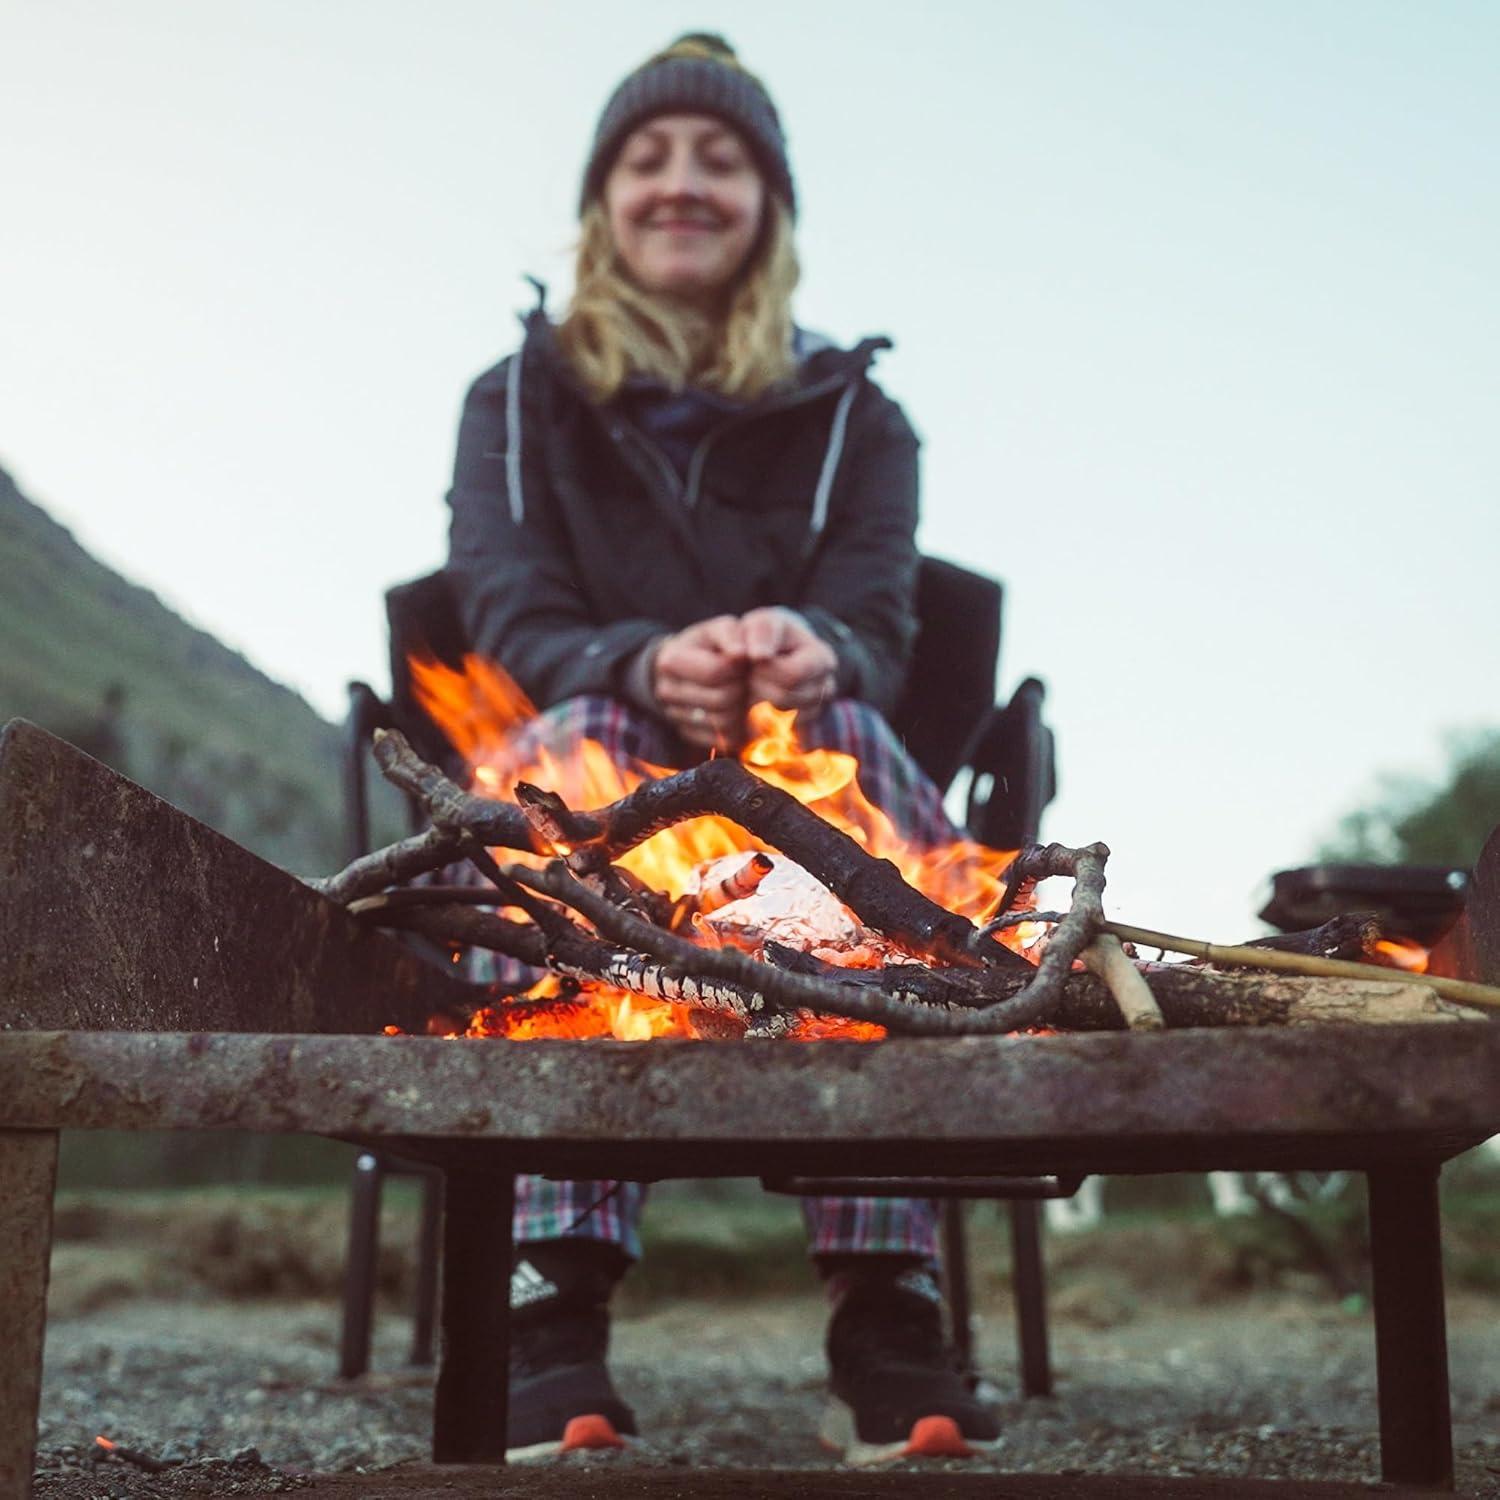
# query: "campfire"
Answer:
x=764 y=895
x=726 y=888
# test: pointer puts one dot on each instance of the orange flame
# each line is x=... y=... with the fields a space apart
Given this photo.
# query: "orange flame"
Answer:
x=479 y=708
x=1401 y=953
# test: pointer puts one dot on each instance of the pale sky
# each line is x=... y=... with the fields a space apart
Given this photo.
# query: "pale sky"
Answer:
x=1195 y=307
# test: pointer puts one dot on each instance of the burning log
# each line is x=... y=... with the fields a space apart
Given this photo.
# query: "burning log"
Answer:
x=1244 y=956
x=572 y=952
x=1187 y=996
x=970 y=985
x=871 y=888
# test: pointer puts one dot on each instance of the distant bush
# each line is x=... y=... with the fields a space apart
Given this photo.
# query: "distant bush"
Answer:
x=1417 y=822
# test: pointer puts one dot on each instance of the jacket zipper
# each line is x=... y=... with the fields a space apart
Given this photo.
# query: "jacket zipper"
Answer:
x=626 y=434
x=699 y=459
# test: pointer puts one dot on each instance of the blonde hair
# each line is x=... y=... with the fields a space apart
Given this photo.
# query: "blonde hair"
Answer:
x=615 y=328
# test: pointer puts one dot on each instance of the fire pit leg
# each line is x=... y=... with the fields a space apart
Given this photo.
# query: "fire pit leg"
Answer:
x=28 y=1174
x=1029 y=1279
x=955 y=1241
x=473 y=1385
x=1411 y=1340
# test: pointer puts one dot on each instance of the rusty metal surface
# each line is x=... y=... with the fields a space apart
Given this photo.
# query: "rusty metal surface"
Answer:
x=28 y=1170
x=1165 y=1101
x=120 y=912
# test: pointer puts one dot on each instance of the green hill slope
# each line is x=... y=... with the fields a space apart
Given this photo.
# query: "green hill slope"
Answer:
x=106 y=664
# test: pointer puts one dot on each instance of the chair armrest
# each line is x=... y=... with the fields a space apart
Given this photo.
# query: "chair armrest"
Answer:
x=1014 y=762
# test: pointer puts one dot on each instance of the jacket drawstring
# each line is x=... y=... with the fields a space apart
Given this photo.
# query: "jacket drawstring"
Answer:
x=514 y=492
x=830 y=466
x=515 y=489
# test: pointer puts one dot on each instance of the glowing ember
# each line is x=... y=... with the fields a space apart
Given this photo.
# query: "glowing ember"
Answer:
x=738 y=900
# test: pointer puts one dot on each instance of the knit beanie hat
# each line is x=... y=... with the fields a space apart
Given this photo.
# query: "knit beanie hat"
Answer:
x=698 y=74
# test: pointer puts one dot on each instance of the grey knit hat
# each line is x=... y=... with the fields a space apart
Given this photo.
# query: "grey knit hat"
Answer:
x=698 y=74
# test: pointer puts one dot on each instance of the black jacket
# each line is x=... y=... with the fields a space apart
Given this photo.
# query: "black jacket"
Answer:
x=574 y=541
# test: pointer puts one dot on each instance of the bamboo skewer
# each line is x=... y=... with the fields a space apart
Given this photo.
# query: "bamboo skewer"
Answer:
x=1235 y=955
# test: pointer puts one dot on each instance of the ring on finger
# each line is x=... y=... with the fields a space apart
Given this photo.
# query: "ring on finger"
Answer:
x=699 y=714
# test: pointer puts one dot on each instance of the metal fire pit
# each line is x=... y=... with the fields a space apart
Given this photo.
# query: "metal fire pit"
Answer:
x=155 y=976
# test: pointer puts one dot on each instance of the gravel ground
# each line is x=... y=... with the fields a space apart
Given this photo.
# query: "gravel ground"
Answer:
x=241 y=1398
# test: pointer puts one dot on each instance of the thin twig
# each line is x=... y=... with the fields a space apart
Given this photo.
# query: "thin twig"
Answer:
x=424 y=895
x=405 y=860
x=1107 y=960
x=1018 y=919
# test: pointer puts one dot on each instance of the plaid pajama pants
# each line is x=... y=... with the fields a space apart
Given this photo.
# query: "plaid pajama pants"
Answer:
x=610 y=1211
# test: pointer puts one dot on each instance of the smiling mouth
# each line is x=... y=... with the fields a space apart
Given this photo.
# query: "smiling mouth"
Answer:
x=684 y=226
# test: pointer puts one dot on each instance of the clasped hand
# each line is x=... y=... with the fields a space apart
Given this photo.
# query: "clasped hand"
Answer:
x=706 y=677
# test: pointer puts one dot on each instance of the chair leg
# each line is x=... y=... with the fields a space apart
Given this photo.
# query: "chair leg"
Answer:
x=956 y=1284
x=429 y=1241
x=472 y=1404
x=1411 y=1338
x=1029 y=1283
x=28 y=1175
x=359 y=1267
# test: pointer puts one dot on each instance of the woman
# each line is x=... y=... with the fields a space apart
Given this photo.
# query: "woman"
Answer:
x=667 y=507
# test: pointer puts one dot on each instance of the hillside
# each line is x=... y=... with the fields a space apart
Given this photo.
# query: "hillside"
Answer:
x=104 y=663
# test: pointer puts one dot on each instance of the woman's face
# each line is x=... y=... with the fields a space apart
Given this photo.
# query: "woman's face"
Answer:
x=684 y=201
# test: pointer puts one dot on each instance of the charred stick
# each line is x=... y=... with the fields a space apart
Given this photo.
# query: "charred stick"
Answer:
x=1020 y=919
x=716 y=979
x=620 y=888
x=1349 y=935
x=499 y=825
x=1015 y=881
x=1069 y=938
x=577 y=955
x=424 y=895
x=465 y=926
x=1187 y=994
x=553 y=923
x=544 y=811
x=404 y=860
x=916 y=983
x=779 y=987
x=872 y=888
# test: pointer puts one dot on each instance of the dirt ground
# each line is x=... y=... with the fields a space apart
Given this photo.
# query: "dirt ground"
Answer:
x=240 y=1397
